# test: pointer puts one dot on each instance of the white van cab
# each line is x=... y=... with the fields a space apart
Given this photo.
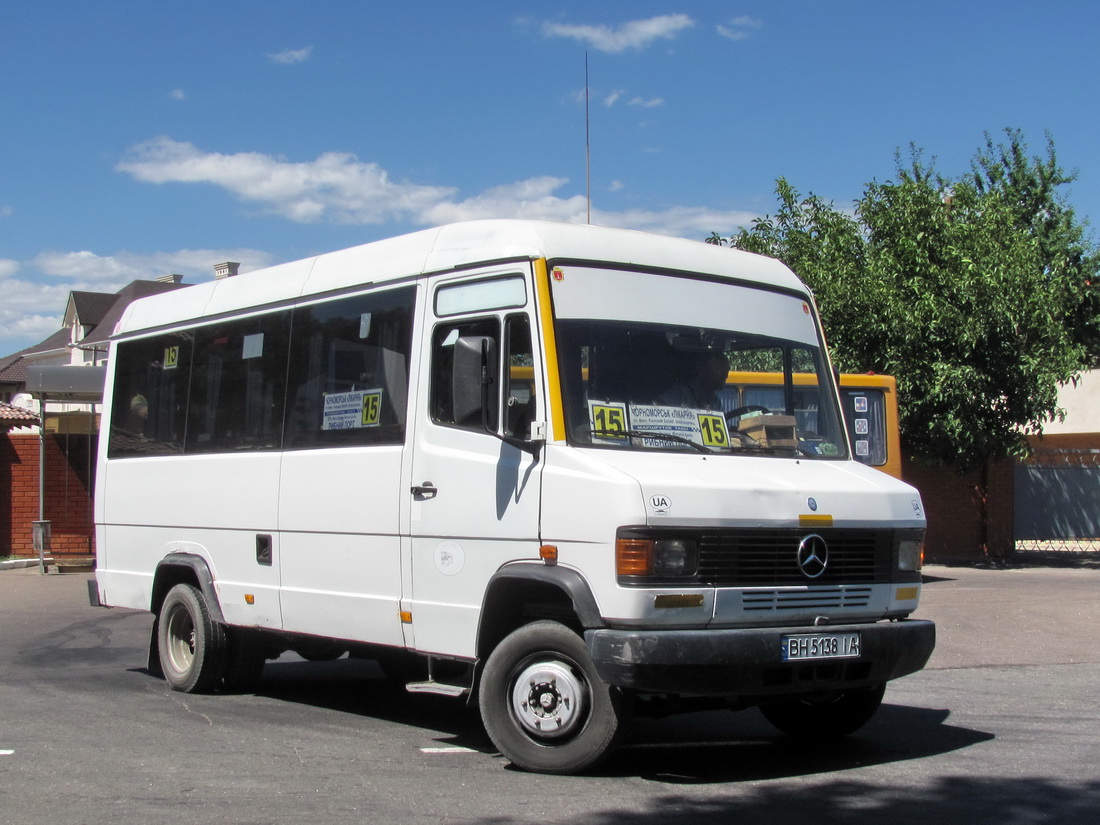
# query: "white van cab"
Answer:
x=505 y=454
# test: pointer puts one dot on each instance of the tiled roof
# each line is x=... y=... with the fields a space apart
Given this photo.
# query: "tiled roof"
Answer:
x=13 y=368
x=12 y=416
x=90 y=307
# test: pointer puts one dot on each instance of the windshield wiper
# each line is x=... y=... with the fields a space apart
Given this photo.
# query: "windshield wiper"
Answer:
x=679 y=439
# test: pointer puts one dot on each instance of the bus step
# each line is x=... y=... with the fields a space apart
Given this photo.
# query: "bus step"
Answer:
x=438 y=688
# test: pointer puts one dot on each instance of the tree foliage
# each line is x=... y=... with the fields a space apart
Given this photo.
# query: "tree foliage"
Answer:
x=978 y=292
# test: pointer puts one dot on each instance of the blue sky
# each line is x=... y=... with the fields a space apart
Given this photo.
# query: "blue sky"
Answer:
x=142 y=138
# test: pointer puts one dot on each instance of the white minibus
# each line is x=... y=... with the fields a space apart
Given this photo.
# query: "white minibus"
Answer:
x=493 y=452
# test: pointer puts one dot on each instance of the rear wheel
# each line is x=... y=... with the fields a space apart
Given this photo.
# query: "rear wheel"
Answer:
x=191 y=644
x=543 y=704
x=824 y=716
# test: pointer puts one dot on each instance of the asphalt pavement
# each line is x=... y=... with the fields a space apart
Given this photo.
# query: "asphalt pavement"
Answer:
x=1002 y=727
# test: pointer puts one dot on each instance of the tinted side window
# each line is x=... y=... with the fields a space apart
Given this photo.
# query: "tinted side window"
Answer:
x=457 y=352
x=149 y=409
x=237 y=385
x=349 y=367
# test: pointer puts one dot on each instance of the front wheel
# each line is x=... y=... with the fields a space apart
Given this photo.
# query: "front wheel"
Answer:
x=824 y=716
x=543 y=704
x=190 y=643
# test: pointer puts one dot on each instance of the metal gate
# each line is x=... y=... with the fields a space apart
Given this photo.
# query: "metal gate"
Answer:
x=1057 y=501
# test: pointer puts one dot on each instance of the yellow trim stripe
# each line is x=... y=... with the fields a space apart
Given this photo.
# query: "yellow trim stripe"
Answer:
x=814 y=520
x=550 y=352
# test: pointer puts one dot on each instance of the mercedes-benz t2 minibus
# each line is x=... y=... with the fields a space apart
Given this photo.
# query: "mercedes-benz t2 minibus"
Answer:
x=492 y=450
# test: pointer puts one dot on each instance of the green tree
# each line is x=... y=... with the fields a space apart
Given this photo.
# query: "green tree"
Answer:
x=978 y=293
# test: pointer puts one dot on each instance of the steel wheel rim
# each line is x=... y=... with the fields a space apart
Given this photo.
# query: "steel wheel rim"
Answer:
x=181 y=640
x=550 y=699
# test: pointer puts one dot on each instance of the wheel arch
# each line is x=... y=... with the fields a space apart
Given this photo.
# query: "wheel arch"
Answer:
x=522 y=593
x=185 y=568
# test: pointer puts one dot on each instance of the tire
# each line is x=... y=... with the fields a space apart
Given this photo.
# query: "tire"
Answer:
x=191 y=645
x=824 y=716
x=320 y=651
x=245 y=657
x=543 y=704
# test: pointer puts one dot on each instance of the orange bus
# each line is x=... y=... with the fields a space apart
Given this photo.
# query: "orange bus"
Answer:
x=869 y=402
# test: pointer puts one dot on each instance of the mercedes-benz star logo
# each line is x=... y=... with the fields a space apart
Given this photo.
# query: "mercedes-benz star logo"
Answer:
x=813 y=556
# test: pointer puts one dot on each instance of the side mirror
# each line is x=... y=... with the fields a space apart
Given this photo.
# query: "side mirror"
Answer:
x=475 y=389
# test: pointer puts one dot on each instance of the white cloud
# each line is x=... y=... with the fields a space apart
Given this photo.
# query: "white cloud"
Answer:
x=6 y=211
x=177 y=94
x=27 y=313
x=695 y=222
x=339 y=188
x=533 y=198
x=336 y=186
x=740 y=27
x=636 y=34
x=291 y=56
x=109 y=273
x=613 y=98
x=647 y=104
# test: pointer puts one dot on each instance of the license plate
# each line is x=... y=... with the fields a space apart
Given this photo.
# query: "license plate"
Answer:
x=820 y=646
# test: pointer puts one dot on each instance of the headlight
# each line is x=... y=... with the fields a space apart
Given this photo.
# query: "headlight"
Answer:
x=910 y=555
x=675 y=557
x=662 y=558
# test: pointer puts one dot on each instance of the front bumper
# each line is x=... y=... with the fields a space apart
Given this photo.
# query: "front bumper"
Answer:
x=747 y=662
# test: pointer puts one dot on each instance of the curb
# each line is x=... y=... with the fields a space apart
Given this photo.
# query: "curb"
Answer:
x=53 y=565
x=17 y=564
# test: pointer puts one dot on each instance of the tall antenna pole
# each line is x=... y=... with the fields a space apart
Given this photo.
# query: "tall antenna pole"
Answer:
x=587 y=145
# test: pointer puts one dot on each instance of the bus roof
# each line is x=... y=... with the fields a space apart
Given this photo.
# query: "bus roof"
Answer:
x=447 y=248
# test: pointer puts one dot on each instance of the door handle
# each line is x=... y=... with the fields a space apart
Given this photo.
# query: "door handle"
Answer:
x=263 y=549
x=424 y=491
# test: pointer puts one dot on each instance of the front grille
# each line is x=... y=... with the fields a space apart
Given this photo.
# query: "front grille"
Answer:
x=816 y=598
x=766 y=558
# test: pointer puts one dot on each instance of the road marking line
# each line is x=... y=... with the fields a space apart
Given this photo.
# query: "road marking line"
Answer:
x=448 y=750
x=7 y=753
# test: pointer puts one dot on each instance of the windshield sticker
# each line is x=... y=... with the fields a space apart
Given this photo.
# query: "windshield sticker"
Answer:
x=608 y=422
x=352 y=410
x=644 y=424
x=679 y=422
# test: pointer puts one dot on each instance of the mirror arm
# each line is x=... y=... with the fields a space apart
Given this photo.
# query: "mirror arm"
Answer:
x=531 y=447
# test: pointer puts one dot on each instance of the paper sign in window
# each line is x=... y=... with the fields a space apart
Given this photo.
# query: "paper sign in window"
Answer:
x=352 y=410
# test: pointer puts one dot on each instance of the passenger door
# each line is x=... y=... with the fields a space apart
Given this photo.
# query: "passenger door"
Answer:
x=340 y=492
x=475 y=498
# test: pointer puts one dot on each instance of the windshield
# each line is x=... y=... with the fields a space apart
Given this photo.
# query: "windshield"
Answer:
x=658 y=362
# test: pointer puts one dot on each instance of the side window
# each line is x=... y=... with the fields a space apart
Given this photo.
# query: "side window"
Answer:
x=348 y=374
x=237 y=385
x=465 y=372
x=865 y=415
x=149 y=408
x=472 y=371
x=519 y=378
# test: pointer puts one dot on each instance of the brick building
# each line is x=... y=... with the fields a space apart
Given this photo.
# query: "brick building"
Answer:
x=70 y=428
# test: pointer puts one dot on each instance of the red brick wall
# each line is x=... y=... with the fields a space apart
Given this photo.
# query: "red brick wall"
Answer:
x=954 y=505
x=68 y=494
